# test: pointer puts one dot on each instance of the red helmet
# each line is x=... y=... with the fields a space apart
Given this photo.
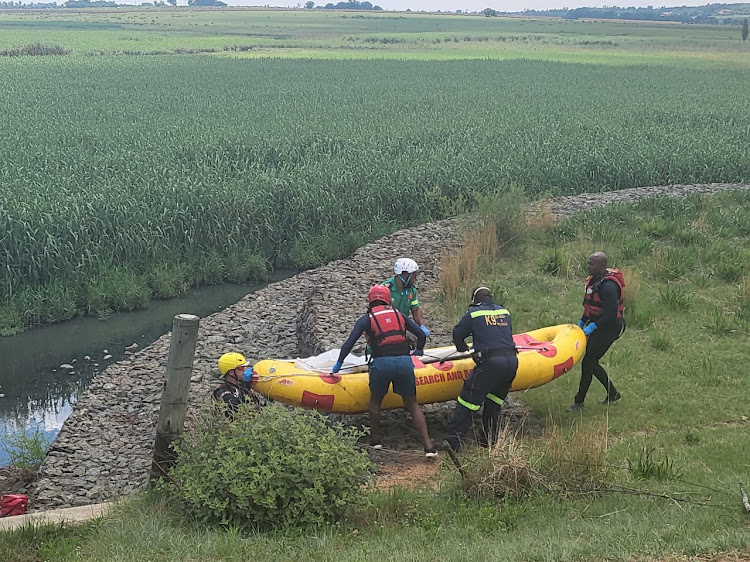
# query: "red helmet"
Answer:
x=379 y=293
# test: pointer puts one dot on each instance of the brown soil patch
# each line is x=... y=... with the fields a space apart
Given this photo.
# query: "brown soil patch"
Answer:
x=404 y=469
x=401 y=462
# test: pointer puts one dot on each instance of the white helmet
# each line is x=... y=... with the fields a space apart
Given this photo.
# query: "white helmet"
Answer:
x=405 y=265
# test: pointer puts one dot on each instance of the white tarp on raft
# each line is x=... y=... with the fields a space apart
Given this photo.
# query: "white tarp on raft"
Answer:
x=324 y=362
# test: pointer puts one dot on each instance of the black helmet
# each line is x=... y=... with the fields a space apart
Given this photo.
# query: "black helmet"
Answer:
x=480 y=294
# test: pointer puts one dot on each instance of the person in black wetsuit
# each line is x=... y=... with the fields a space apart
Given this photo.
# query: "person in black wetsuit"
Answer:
x=602 y=322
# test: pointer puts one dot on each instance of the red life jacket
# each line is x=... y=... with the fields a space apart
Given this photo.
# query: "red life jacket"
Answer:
x=386 y=334
x=592 y=304
x=13 y=504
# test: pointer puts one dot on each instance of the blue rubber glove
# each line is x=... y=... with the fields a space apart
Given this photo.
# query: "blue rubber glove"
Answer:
x=580 y=323
x=336 y=367
x=248 y=375
x=590 y=327
x=418 y=352
x=425 y=331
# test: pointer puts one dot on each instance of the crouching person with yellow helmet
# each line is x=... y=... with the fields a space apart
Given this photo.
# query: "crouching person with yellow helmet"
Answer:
x=234 y=388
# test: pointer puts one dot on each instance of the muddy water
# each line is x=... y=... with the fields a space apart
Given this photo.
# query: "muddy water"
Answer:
x=36 y=393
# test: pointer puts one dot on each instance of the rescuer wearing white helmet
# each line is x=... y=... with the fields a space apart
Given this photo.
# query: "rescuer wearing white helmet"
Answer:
x=235 y=383
x=404 y=291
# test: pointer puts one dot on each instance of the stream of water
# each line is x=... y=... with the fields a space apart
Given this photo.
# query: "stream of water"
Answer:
x=37 y=395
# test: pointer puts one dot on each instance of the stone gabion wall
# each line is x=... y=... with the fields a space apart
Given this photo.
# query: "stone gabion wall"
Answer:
x=104 y=448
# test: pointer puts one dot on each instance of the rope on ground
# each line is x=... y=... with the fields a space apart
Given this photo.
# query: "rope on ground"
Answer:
x=677 y=500
x=397 y=452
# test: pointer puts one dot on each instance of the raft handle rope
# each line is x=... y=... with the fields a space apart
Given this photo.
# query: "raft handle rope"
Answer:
x=528 y=348
x=471 y=350
x=455 y=355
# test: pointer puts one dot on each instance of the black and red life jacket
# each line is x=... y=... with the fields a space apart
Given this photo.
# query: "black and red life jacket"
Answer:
x=592 y=304
x=386 y=334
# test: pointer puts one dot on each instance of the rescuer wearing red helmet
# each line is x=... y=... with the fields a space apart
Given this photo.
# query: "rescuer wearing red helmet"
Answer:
x=235 y=384
x=385 y=330
x=602 y=322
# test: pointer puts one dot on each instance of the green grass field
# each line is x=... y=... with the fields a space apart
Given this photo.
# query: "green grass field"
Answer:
x=676 y=443
x=317 y=34
x=127 y=175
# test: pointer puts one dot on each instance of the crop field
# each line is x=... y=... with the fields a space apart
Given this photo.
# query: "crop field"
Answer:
x=326 y=34
x=125 y=177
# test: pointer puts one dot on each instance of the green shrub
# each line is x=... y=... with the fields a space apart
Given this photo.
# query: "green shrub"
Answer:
x=117 y=289
x=731 y=269
x=552 y=262
x=671 y=263
x=503 y=208
x=11 y=322
x=34 y=50
x=692 y=437
x=25 y=451
x=168 y=280
x=634 y=245
x=688 y=237
x=657 y=227
x=208 y=267
x=274 y=468
x=243 y=267
x=647 y=466
x=660 y=340
x=675 y=297
x=743 y=298
x=718 y=322
x=641 y=316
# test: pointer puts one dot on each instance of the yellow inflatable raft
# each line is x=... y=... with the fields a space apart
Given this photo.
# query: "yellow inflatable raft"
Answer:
x=544 y=355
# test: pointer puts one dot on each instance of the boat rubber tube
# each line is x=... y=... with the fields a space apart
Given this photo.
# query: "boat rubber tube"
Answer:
x=543 y=355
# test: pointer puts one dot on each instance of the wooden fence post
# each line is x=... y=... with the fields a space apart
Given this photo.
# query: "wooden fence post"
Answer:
x=174 y=397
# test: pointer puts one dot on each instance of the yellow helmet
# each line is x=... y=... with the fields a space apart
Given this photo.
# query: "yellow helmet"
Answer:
x=230 y=361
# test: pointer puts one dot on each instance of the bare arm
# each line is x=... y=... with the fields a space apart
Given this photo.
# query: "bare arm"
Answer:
x=416 y=313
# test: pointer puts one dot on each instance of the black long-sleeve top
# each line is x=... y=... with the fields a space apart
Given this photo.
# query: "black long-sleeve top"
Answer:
x=609 y=294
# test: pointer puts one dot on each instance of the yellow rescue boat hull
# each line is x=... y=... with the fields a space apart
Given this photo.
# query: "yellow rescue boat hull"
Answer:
x=544 y=355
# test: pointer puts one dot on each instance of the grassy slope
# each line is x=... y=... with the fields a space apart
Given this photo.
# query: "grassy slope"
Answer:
x=679 y=367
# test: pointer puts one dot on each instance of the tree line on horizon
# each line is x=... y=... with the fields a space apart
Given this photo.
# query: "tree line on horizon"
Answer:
x=724 y=14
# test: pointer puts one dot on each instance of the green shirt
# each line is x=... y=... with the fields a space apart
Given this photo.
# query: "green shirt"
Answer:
x=403 y=301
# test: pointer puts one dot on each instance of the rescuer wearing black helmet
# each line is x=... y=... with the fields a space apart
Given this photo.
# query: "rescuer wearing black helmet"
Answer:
x=496 y=366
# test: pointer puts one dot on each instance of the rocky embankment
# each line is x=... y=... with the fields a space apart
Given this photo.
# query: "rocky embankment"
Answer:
x=104 y=448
